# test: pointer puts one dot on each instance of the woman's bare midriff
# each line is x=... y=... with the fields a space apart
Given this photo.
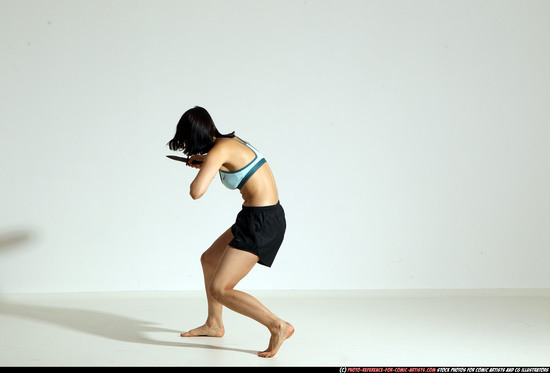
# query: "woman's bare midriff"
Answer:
x=260 y=189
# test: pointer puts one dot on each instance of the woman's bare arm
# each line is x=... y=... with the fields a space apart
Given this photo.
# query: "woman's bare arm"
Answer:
x=207 y=171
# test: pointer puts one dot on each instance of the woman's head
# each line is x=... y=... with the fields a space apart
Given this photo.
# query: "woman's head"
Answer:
x=195 y=132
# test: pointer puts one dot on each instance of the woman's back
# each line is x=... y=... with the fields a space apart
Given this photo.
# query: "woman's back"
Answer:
x=244 y=167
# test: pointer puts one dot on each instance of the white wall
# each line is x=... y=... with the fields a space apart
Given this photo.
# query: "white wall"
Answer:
x=410 y=140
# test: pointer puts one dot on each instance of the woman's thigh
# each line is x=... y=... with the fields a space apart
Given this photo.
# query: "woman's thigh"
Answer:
x=234 y=265
x=215 y=252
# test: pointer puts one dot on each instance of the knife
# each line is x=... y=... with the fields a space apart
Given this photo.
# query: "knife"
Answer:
x=182 y=159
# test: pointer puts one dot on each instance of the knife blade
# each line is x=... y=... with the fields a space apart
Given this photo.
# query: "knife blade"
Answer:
x=182 y=159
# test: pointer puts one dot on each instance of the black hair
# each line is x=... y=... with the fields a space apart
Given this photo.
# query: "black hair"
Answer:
x=195 y=132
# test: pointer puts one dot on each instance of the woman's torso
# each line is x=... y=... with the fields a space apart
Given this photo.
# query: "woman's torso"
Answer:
x=260 y=189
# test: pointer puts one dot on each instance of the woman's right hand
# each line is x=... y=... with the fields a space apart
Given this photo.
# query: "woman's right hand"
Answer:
x=196 y=161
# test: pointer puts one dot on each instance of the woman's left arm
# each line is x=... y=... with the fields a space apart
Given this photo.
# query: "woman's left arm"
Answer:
x=208 y=170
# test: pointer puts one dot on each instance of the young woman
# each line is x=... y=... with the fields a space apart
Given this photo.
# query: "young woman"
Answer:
x=257 y=233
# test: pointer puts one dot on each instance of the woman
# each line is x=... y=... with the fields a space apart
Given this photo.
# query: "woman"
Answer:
x=257 y=233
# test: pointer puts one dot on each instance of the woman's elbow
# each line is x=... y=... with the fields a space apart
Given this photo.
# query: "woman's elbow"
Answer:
x=195 y=194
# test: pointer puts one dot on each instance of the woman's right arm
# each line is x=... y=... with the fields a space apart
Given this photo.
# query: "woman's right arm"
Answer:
x=207 y=171
x=196 y=161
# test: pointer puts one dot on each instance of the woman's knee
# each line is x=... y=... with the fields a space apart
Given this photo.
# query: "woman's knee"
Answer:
x=216 y=291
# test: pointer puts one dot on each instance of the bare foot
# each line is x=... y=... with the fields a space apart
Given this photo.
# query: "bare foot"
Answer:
x=205 y=331
x=283 y=331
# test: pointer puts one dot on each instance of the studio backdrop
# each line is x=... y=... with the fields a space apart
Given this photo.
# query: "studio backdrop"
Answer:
x=410 y=140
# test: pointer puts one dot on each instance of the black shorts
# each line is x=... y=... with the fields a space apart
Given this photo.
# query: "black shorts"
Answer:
x=260 y=230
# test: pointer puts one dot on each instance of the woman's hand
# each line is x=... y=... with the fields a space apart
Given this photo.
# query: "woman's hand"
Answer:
x=196 y=161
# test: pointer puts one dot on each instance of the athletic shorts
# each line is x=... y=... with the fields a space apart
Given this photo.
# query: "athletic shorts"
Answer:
x=260 y=230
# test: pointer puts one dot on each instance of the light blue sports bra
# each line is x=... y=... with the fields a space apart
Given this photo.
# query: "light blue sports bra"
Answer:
x=236 y=179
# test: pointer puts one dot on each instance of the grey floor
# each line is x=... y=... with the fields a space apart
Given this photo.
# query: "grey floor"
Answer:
x=333 y=328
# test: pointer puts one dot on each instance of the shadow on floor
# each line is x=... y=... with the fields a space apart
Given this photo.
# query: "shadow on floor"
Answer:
x=96 y=323
x=101 y=324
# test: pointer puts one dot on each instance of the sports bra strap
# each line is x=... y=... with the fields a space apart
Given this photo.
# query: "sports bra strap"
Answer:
x=236 y=179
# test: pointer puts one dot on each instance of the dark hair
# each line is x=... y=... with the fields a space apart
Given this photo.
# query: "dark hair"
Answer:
x=195 y=132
